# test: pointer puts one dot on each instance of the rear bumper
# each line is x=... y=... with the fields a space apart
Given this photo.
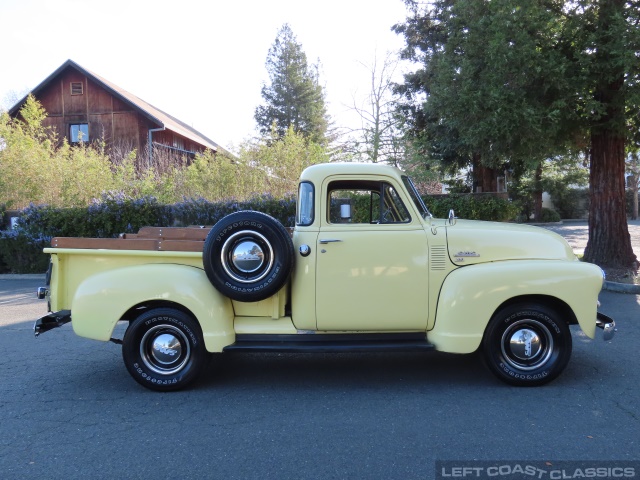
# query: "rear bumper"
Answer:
x=607 y=324
x=51 y=321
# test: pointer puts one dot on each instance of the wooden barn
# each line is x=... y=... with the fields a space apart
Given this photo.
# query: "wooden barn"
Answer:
x=84 y=107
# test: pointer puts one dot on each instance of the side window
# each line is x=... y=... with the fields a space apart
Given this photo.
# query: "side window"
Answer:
x=394 y=210
x=304 y=216
x=365 y=202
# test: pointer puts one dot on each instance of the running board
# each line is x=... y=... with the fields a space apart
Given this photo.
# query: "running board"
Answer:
x=331 y=343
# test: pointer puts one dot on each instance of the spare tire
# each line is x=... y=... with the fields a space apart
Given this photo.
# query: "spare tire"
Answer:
x=248 y=256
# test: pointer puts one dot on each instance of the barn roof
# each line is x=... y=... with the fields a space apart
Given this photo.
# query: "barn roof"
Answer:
x=155 y=115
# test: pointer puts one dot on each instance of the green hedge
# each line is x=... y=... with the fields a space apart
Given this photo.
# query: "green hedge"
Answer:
x=21 y=249
x=472 y=207
x=22 y=253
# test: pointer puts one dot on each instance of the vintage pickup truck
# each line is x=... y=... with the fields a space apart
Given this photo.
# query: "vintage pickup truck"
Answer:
x=366 y=268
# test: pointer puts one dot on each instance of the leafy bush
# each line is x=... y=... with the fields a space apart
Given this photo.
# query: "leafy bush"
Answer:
x=473 y=207
x=3 y=211
x=106 y=218
x=22 y=253
x=571 y=203
x=549 y=216
x=202 y=212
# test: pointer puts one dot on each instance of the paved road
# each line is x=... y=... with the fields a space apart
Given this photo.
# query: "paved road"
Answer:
x=68 y=409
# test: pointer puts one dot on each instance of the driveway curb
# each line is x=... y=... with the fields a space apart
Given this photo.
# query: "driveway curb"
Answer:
x=622 y=287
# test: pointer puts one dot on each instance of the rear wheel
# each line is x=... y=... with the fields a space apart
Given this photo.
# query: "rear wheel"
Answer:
x=163 y=349
x=527 y=344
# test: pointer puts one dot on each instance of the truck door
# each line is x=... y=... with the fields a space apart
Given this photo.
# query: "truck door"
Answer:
x=372 y=262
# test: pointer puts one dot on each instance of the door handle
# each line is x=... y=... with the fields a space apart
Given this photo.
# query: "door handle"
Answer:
x=324 y=241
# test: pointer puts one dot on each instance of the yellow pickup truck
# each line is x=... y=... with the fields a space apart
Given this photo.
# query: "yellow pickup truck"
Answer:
x=366 y=268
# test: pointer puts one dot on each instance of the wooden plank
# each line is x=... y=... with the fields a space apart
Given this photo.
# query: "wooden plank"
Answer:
x=174 y=233
x=104 y=243
x=180 y=245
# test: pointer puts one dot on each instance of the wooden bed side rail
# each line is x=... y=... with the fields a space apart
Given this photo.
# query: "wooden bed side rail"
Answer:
x=170 y=233
x=177 y=239
x=128 y=244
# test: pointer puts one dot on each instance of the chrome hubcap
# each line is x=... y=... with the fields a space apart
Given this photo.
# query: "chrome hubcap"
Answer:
x=164 y=349
x=527 y=344
x=247 y=256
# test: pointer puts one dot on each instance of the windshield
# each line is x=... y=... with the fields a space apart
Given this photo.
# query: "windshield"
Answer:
x=415 y=196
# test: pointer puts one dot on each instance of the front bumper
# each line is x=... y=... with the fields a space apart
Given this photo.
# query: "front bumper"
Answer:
x=607 y=324
x=51 y=321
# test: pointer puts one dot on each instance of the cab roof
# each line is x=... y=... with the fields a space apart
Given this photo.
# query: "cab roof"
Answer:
x=317 y=173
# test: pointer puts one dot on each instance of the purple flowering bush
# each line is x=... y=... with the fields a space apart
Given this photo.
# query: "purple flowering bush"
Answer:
x=113 y=214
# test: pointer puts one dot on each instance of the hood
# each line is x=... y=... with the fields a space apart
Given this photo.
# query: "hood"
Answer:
x=472 y=242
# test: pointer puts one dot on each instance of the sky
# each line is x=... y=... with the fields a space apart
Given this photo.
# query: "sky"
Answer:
x=202 y=62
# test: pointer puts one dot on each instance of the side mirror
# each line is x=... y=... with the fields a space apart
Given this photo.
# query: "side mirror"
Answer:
x=452 y=217
x=345 y=212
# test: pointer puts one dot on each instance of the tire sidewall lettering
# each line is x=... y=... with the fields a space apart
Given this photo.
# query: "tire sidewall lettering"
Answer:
x=136 y=364
x=541 y=315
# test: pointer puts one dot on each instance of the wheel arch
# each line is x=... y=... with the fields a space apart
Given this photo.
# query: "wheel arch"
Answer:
x=135 y=311
x=471 y=296
x=108 y=297
x=554 y=303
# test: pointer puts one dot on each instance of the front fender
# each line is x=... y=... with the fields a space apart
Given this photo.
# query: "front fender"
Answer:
x=102 y=299
x=471 y=295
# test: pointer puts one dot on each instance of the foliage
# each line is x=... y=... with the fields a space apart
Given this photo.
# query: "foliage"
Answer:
x=202 y=212
x=549 y=216
x=107 y=217
x=36 y=169
x=565 y=179
x=21 y=252
x=521 y=82
x=487 y=83
x=3 y=210
x=295 y=97
x=473 y=207
x=282 y=161
x=379 y=137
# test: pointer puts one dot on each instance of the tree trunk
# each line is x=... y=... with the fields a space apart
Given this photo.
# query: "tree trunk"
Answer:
x=609 y=242
x=485 y=178
x=537 y=194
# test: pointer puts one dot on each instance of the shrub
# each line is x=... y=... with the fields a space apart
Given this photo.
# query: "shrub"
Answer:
x=203 y=212
x=113 y=215
x=548 y=216
x=473 y=207
x=21 y=252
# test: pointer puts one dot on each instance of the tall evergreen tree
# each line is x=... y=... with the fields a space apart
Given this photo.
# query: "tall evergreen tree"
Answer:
x=506 y=80
x=295 y=97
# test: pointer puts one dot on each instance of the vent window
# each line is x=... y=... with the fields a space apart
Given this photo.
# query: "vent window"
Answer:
x=77 y=88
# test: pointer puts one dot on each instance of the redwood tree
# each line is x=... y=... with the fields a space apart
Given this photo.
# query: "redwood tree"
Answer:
x=609 y=241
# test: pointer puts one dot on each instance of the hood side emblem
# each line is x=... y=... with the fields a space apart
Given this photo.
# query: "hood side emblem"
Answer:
x=460 y=256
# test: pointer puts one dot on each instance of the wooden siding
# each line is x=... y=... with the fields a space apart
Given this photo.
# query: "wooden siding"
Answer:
x=120 y=119
x=109 y=118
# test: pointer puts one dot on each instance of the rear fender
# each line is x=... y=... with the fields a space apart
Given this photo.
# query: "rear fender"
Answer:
x=471 y=295
x=102 y=299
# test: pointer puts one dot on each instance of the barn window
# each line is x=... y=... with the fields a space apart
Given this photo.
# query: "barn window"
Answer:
x=79 y=132
x=76 y=88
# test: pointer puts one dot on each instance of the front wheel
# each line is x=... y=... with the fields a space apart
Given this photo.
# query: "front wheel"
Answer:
x=527 y=345
x=163 y=349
